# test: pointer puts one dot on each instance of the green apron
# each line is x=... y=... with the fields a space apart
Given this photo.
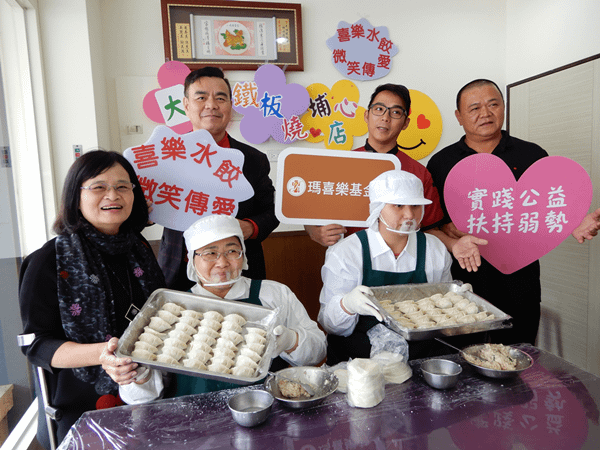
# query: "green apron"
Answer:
x=357 y=345
x=187 y=385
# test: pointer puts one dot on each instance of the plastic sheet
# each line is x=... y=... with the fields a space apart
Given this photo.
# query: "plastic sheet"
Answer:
x=489 y=413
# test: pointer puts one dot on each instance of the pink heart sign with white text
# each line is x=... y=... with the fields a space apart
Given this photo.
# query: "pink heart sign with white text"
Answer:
x=522 y=220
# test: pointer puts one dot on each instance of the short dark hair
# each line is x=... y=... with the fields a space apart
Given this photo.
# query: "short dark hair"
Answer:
x=208 y=71
x=476 y=83
x=398 y=89
x=90 y=165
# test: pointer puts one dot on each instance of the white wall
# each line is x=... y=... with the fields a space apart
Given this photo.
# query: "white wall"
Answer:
x=93 y=47
x=434 y=56
x=545 y=34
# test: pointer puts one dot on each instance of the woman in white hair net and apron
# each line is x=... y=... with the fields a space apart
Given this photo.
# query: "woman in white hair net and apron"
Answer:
x=390 y=251
x=216 y=258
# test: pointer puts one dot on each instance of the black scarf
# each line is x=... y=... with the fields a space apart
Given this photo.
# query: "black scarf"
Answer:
x=86 y=296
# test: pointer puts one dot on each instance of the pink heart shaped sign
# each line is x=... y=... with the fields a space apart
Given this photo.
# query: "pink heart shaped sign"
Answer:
x=522 y=220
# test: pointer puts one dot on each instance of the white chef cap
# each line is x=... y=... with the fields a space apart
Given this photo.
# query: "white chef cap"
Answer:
x=396 y=187
x=207 y=230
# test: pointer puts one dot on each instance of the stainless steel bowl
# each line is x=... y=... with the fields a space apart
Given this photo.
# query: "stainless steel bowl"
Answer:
x=441 y=373
x=524 y=362
x=250 y=408
x=323 y=383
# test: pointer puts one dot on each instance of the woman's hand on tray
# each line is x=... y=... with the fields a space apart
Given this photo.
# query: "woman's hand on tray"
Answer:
x=121 y=370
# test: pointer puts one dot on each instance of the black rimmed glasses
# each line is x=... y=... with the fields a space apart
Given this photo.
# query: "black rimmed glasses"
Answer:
x=396 y=112
x=101 y=187
x=212 y=256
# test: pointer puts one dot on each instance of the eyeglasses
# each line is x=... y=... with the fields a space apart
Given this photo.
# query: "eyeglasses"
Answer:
x=212 y=256
x=396 y=112
x=101 y=187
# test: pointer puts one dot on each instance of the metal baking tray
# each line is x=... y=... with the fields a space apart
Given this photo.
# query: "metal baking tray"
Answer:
x=256 y=316
x=403 y=292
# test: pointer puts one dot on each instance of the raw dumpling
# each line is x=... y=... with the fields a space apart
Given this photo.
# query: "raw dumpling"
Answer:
x=250 y=354
x=173 y=352
x=150 y=339
x=141 y=345
x=209 y=331
x=257 y=331
x=210 y=323
x=199 y=355
x=174 y=342
x=197 y=345
x=185 y=328
x=439 y=318
x=253 y=338
x=235 y=318
x=143 y=354
x=243 y=371
x=173 y=308
x=154 y=332
x=462 y=303
x=244 y=360
x=166 y=359
x=178 y=334
x=223 y=351
x=218 y=368
x=443 y=303
x=213 y=315
x=226 y=343
x=258 y=348
x=407 y=307
x=210 y=341
x=234 y=337
x=222 y=360
x=466 y=319
x=471 y=309
x=191 y=313
x=427 y=306
x=231 y=326
x=194 y=363
x=158 y=324
x=167 y=316
x=481 y=315
x=191 y=321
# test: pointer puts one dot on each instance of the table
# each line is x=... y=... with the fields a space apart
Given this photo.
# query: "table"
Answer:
x=552 y=405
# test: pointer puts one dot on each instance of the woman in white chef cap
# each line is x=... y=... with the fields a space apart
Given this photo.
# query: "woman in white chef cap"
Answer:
x=216 y=258
x=390 y=251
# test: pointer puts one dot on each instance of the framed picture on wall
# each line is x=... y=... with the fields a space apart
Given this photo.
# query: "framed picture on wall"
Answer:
x=233 y=35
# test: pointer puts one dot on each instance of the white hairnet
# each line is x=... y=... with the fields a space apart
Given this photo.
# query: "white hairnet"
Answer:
x=208 y=230
x=396 y=187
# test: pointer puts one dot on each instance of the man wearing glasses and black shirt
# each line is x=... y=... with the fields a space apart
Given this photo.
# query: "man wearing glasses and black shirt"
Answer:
x=386 y=117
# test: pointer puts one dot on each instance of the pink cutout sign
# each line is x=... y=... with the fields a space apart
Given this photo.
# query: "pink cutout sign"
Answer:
x=522 y=220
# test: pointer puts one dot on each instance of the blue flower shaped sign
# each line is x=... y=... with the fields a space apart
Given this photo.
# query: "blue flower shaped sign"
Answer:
x=361 y=51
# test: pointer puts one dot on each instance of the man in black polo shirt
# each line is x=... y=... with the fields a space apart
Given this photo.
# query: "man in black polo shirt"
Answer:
x=480 y=111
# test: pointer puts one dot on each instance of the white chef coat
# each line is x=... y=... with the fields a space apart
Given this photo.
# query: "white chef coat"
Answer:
x=343 y=271
x=291 y=313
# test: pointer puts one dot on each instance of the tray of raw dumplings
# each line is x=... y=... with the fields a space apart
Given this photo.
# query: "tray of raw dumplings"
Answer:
x=428 y=310
x=185 y=333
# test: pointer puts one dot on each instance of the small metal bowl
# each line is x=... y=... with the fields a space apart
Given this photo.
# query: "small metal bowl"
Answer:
x=323 y=382
x=250 y=408
x=441 y=373
x=524 y=361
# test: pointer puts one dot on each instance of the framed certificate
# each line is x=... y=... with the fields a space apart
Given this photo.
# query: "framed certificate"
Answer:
x=233 y=35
